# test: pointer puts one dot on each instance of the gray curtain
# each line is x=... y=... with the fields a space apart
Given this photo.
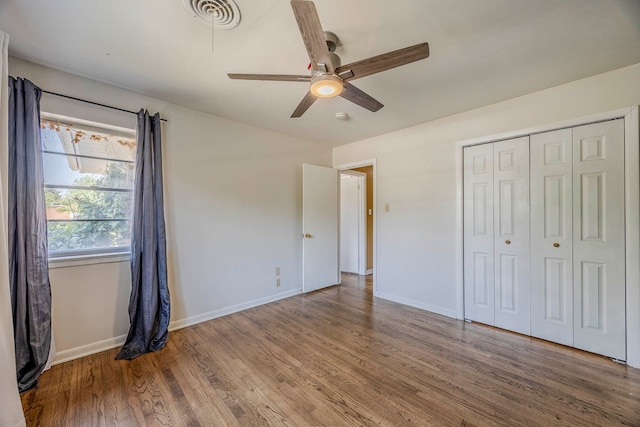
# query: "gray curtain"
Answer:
x=149 y=308
x=27 y=235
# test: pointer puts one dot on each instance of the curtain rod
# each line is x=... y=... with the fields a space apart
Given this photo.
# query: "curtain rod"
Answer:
x=93 y=103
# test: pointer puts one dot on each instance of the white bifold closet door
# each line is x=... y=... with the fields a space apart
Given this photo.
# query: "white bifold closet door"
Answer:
x=479 y=287
x=512 y=235
x=552 y=236
x=577 y=238
x=496 y=228
x=599 y=239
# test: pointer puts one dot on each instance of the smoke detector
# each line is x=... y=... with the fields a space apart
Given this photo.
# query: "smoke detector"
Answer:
x=224 y=13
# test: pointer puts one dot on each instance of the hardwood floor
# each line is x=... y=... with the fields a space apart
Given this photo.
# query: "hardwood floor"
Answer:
x=343 y=358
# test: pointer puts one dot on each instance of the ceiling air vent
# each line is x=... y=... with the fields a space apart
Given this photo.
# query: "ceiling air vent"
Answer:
x=225 y=13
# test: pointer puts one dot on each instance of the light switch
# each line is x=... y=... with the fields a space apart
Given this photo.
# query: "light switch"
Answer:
x=387 y=207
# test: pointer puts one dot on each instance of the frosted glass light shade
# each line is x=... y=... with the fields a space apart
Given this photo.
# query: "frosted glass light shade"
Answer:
x=326 y=86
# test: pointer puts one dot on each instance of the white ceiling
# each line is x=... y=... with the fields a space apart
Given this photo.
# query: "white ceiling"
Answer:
x=482 y=51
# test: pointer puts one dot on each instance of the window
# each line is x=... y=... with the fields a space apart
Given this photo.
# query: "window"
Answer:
x=89 y=170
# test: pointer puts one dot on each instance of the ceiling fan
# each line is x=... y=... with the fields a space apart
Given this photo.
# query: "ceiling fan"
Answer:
x=328 y=78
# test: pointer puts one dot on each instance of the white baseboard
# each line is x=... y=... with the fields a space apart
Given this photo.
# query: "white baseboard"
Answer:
x=416 y=304
x=194 y=320
x=88 y=349
x=108 y=344
x=368 y=272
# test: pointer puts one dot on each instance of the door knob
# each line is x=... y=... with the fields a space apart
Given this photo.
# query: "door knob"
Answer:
x=556 y=245
x=307 y=236
x=508 y=242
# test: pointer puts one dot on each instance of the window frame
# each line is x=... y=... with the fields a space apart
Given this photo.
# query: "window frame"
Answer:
x=63 y=258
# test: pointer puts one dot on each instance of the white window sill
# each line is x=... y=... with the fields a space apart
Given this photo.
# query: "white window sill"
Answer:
x=73 y=261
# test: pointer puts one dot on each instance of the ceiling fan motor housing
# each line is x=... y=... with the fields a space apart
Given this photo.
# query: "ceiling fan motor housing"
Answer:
x=332 y=40
x=335 y=60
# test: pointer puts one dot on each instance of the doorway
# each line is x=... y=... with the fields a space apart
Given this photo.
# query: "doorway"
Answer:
x=367 y=243
x=353 y=238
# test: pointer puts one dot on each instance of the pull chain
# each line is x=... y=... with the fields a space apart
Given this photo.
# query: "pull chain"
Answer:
x=213 y=20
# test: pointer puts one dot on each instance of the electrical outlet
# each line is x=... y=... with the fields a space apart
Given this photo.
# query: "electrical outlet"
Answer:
x=277 y=271
x=387 y=207
x=277 y=282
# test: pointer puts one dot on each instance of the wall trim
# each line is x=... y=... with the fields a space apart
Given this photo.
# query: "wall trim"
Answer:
x=632 y=234
x=547 y=127
x=88 y=349
x=110 y=343
x=416 y=304
x=194 y=320
x=75 y=261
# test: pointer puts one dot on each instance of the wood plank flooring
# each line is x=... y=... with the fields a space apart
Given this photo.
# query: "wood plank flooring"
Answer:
x=340 y=357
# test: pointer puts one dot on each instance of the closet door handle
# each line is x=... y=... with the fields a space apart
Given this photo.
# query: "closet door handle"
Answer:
x=556 y=245
x=508 y=242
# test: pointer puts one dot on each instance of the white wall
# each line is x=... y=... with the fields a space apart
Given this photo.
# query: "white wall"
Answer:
x=233 y=203
x=416 y=175
x=232 y=207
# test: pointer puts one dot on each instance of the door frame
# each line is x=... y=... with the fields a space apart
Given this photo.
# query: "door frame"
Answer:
x=362 y=223
x=359 y=164
x=632 y=212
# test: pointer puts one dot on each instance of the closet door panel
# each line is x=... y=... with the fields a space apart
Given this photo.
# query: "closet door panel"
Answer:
x=511 y=231
x=599 y=239
x=478 y=234
x=551 y=236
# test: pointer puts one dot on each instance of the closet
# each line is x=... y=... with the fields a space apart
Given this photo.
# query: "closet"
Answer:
x=544 y=238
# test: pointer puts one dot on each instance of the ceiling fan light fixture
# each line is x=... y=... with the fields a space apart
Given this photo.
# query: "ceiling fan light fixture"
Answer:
x=326 y=86
x=328 y=77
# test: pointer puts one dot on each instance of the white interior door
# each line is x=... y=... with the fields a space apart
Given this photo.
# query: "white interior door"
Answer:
x=599 y=238
x=512 y=235
x=551 y=236
x=478 y=234
x=351 y=218
x=320 y=225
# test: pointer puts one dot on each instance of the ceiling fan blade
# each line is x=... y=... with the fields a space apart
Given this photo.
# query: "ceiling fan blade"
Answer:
x=312 y=35
x=383 y=62
x=355 y=95
x=304 y=105
x=275 y=77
